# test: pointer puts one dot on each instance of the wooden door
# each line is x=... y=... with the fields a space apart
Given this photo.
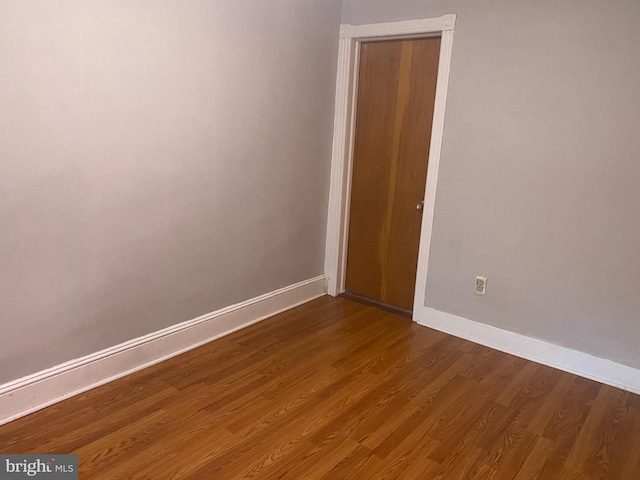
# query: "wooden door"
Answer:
x=396 y=93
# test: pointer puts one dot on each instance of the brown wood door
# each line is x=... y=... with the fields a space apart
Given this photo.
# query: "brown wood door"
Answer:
x=396 y=93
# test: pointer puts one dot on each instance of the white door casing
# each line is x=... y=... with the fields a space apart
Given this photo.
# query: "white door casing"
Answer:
x=351 y=37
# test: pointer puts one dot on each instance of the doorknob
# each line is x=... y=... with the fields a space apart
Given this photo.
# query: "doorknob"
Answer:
x=420 y=206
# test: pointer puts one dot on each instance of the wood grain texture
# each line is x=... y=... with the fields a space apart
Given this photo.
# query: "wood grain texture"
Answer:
x=336 y=389
x=396 y=94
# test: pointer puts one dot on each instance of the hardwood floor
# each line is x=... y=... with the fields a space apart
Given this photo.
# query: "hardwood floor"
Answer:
x=336 y=389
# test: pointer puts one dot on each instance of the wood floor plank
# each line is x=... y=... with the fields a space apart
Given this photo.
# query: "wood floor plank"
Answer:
x=419 y=416
x=336 y=389
x=552 y=409
x=422 y=406
x=188 y=437
x=592 y=454
x=563 y=426
x=463 y=409
x=631 y=466
x=532 y=467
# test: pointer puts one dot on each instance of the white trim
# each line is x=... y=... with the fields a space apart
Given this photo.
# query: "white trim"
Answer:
x=399 y=29
x=351 y=37
x=562 y=358
x=338 y=197
x=34 y=392
x=437 y=133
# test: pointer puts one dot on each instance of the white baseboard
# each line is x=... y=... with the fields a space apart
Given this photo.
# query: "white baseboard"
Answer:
x=562 y=358
x=34 y=392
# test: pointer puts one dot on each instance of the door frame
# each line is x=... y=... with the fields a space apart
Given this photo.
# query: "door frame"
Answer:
x=351 y=38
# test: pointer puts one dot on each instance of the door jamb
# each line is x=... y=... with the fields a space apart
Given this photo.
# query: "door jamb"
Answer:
x=351 y=38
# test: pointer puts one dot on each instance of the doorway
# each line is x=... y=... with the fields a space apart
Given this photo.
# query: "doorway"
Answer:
x=394 y=114
x=352 y=40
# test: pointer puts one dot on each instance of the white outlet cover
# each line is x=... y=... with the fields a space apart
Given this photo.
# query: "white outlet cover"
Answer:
x=481 y=285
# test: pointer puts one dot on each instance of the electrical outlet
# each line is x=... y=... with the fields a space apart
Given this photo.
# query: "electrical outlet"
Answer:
x=481 y=285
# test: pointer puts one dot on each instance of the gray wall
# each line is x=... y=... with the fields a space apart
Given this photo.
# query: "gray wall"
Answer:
x=159 y=159
x=539 y=186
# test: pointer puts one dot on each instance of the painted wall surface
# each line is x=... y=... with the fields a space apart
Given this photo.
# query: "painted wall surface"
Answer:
x=158 y=160
x=539 y=186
